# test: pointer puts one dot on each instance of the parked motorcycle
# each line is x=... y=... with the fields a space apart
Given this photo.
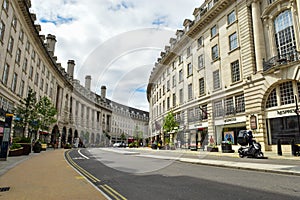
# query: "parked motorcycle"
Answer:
x=249 y=147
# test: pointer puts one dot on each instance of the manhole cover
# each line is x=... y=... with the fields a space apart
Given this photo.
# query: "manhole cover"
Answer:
x=4 y=189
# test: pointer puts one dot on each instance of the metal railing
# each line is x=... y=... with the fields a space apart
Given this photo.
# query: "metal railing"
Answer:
x=281 y=60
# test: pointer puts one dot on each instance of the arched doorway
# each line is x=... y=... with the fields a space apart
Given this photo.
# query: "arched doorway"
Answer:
x=54 y=134
x=70 y=136
x=63 y=137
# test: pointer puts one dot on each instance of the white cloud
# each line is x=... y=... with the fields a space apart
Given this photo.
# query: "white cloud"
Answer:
x=115 y=41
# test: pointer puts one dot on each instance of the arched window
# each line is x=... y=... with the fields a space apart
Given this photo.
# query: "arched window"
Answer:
x=284 y=34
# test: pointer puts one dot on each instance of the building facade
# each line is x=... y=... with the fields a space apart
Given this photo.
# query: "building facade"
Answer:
x=234 y=66
x=28 y=61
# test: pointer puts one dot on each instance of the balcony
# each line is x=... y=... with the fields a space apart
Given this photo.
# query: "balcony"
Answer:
x=281 y=60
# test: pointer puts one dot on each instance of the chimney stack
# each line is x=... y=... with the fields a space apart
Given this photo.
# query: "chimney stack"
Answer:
x=103 y=92
x=70 y=70
x=88 y=80
x=51 y=41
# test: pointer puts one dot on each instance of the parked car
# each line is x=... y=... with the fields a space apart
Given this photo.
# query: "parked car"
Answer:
x=119 y=144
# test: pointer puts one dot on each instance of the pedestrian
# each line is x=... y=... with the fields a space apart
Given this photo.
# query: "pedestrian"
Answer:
x=54 y=144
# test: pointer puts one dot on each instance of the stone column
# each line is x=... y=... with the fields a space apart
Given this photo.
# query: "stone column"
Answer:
x=295 y=9
x=271 y=35
x=259 y=43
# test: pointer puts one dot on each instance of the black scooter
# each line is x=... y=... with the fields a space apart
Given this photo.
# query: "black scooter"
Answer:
x=253 y=150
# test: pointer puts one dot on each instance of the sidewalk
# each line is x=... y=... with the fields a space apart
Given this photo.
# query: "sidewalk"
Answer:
x=46 y=175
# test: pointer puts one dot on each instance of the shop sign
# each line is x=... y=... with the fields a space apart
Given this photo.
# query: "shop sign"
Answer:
x=283 y=112
x=229 y=120
x=253 y=124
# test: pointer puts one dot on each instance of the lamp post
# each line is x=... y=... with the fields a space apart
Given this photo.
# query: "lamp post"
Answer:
x=297 y=112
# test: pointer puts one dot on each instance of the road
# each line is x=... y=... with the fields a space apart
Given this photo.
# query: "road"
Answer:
x=132 y=176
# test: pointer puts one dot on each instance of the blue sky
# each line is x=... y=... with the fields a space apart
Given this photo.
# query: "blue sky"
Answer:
x=117 y=42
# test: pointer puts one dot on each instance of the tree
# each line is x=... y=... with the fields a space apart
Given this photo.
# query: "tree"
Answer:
x=169 y=122
x=34 y=115
x=25 y=113
x=45 y=114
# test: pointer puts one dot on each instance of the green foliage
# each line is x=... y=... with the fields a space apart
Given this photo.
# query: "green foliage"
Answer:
x=25 y=112
x=169 y=122
x=45 y=114
x=15 y=146
x=35 y=115
x=21 y=140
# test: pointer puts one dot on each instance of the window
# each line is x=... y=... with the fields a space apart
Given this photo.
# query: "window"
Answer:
x=215 y=52
x=235 y=71
x=25 y=63
x=46 y=89
x=14 y=82
x=168 y=103
x=180 y=59
x=231 y=17
x=174 y=81
x=201 y=86
x=27 y=47
x=168 y=85
x=14 y=22
x=2 y=30
x=272 y=99
x=5 y=5
x=36 y=80
x=188 y=51
x=286 y=93
x=33 y=55
x=173 y=65
x=21 y=36
x=10 y=45
x=213 y=31
x=21 y=89
x=5 y=74
x=18 y=56
x=181 y=96
x=180 y=75
x=174 y=100
x=218 y=108
x=284 y=34
x=190 y=91
x=42 y=85
x=216 y=79
x=200 y=42
x=233 y=41
x=189 y=69
x=229 y=106
x=30 y=75
x=240 y=103
x=200 y=62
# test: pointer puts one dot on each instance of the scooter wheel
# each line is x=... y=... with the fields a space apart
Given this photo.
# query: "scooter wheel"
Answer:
x=241 y=155
x=259 y=155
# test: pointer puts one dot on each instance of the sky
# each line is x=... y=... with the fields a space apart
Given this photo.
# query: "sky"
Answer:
x=117 y=42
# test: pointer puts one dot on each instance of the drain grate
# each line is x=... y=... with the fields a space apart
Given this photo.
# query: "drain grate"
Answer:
x=4 y=189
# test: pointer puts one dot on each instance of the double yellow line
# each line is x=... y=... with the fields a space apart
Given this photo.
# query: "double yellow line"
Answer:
x=112 y=192
x=81 y=170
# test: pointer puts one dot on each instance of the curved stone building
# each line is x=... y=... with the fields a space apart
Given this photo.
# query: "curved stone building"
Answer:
x=234 y=66
x=28 y=61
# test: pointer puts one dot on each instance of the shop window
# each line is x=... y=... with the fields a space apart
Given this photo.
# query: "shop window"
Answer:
x=286 y=93
x=272 y=99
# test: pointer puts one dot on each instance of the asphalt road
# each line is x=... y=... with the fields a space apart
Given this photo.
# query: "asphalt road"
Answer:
x=129 y=176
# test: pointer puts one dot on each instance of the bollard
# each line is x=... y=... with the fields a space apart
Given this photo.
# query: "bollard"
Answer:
x=279 y=150
x=293 y=147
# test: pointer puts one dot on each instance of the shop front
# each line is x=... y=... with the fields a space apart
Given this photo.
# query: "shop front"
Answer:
x=282 y=125
x=229 y=128
x=198 y=135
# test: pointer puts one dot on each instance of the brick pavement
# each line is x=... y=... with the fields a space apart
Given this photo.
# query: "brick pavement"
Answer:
x=44 y=176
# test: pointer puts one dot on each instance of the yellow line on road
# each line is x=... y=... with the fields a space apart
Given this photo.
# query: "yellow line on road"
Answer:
x=112 y=192
x=87 y=174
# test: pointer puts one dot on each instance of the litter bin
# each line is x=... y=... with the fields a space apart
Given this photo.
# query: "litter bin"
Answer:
x=226 y=147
